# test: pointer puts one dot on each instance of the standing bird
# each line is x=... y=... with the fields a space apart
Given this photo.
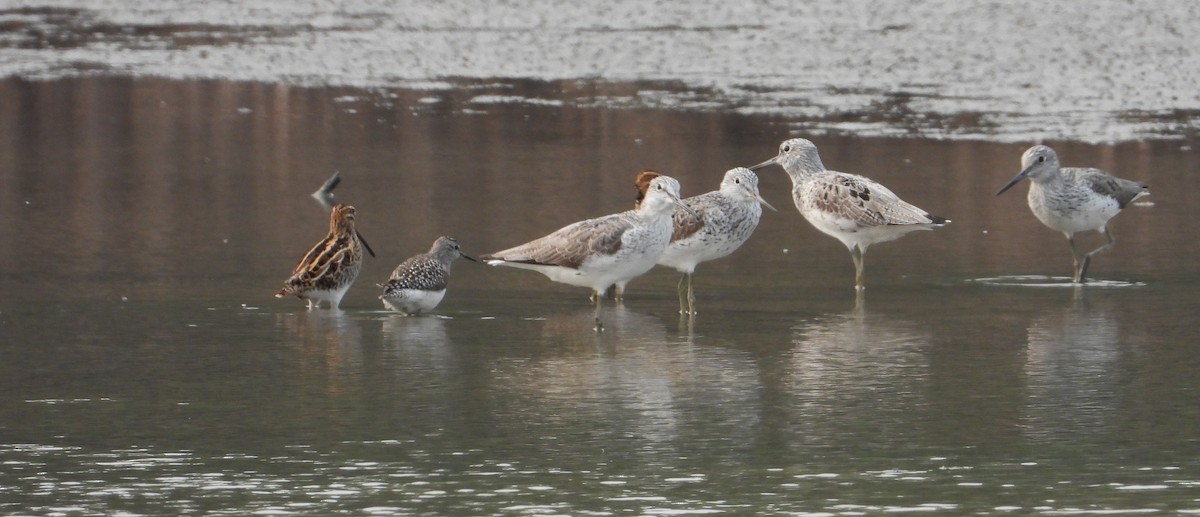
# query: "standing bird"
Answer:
x=330 y=267
x=641 y=183
x=853 y=209
x=1073 y=199
x=604 y=251
x=419 y=283
x=725 y=219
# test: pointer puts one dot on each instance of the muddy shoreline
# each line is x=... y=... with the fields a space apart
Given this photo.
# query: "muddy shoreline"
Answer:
x=1098 y=72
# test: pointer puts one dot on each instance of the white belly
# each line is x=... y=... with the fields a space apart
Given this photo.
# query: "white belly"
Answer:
x=1077 y=213
x=413 y=301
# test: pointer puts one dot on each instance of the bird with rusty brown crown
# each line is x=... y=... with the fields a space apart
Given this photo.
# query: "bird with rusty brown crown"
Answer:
x=329 y=269
x=641 y=183
x=724 y=220
x=605 y=251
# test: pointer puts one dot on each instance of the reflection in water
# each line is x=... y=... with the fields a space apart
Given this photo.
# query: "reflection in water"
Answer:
x=417 y=339
x=632 y=385
x=185 y=196
x=328 y=345
x=1053 y=281
x=858 y=367
x=621 y=325
x=1070 y=368
x=627 y=365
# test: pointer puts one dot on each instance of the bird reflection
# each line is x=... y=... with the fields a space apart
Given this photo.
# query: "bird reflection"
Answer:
x=860 y=359
x=576 y=377
x=417 y=340
x=1070 y=369
x=621 y=325
x=328 y=346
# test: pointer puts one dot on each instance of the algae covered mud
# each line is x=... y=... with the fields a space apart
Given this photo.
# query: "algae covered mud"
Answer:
x=1013 y=71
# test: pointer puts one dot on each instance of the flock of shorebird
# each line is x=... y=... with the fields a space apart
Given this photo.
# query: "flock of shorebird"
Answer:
x=663 y=229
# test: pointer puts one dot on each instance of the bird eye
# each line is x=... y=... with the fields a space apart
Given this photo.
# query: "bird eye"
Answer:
x=787 y=148
x=738 y=181
x=1041 y=159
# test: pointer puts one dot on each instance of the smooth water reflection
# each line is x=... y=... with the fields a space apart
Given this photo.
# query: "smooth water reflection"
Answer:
x=1071 y=361
x=878 y=364
x=146 y=369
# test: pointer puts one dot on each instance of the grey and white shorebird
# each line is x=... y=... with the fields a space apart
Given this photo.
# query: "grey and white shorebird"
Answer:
x=853 y=209
x=1073 y=199
x=720 y=222
x=419 y=283
x=605 y=251
x=329 y=269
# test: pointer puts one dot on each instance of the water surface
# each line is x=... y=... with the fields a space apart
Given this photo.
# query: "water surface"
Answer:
x=146 y=369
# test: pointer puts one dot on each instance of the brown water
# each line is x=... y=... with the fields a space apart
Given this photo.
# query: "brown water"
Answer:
x=146 y=369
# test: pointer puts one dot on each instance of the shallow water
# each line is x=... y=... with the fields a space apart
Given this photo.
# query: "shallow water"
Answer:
x=146 y=368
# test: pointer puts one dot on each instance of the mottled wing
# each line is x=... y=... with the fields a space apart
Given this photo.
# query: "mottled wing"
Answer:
x=572 y=244
x=685 y=224
x=1123 y=190
x=420 y=272
x=864 y=201
x=323 y=265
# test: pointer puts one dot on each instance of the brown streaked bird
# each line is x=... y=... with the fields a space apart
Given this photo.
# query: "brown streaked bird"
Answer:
x=640 y=184
x=605 y=251
x=330 y=267
x=324 y=196
x=725 y=219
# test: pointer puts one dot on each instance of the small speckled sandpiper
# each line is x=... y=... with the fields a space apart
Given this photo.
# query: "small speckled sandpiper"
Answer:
x=330 y=267
x=726 y=218
x=419 y=283
x=853 y=209
x=604 y=251
x=1071 y=199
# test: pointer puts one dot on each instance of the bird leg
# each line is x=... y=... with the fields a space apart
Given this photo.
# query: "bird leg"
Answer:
x=856 y=253
x=691 y=296
x=1112 y=241
x=1075 y=259
x=598 y=297
x=679 y=290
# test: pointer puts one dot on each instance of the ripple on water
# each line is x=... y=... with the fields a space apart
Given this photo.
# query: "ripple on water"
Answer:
x=1051 y=281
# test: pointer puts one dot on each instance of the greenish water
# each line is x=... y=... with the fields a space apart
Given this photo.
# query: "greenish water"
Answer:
x=146 y=369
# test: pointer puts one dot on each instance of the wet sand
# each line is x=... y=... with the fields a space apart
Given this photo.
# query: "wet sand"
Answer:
x=1100 y=72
